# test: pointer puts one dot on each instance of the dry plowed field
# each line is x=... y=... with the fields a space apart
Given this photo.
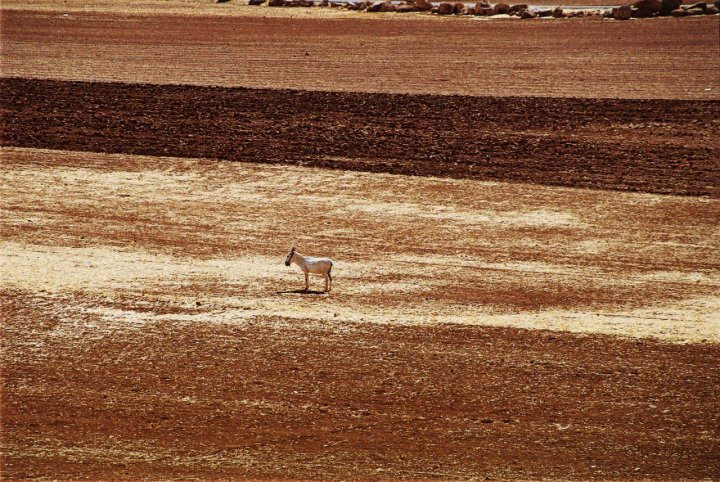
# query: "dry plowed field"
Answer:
x=663 y=58
x=660 y=146
x=526 y=284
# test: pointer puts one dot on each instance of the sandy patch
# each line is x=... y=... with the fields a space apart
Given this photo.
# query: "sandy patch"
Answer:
x=448 y=214
x=60 y=269
x=157 y=240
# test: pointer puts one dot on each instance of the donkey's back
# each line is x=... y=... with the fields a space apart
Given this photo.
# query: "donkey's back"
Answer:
x=318 y=265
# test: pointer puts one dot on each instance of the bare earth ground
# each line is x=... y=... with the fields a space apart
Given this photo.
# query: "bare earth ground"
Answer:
x=652 y=146
x=663 y=58
x=152 y=331
x=478 y=328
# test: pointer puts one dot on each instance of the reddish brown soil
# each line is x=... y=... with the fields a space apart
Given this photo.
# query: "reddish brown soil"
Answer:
x=663 y=58
x=660 y=146
x=352 y=401
x=150 y=331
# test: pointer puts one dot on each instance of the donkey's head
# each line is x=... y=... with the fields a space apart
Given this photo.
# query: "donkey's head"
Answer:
x=290 y=256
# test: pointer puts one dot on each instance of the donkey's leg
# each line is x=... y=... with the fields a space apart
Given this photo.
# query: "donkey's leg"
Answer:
x=307 y=281
x=328 y=282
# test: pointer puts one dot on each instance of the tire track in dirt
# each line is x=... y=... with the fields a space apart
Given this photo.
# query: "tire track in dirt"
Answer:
x=656 y=146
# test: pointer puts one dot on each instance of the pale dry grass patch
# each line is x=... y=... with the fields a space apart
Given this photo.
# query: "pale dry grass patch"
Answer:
x=194 y=241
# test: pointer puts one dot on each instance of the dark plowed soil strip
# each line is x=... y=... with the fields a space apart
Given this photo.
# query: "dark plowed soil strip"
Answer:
x=658 y=146
x=280 y=398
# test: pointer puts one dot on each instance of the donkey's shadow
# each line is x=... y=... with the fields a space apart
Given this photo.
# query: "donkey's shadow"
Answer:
x=301 y=292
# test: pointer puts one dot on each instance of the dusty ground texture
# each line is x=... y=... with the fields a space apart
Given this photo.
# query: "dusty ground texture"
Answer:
x=506 y=330
x=541 y=302
x=660 y=146
x=663 y=58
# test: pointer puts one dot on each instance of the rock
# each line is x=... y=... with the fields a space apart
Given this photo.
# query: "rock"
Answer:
x=527 y=14
x=501 y=8
x=679 y=12
x=460 y=9
x=517 y=8
x=324 y=3
x=646 y=8
x=712 y=10
x=558 y=13
x=652 y=6
x=622 y=13
x=423 y=5
x=641 y=13
x=388 y=7
x=544 y=13
x=702 y=6
x=256 y=2
x=667 y=6
x=695 y=11
x=406 y=8
x=484 y=4
x=446 y=8
x=470 y=11
x=376 y=7
x=276 y=3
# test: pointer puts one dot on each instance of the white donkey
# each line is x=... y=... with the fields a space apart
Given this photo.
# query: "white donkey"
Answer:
x=321 y=266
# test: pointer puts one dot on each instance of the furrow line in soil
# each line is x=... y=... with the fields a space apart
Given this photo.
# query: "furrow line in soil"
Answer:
x=655 y=146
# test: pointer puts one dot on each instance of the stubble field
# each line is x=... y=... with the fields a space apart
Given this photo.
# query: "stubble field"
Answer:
x=525 y=287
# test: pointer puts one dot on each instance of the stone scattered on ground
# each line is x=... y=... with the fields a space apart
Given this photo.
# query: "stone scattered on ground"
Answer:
x=639 y=9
